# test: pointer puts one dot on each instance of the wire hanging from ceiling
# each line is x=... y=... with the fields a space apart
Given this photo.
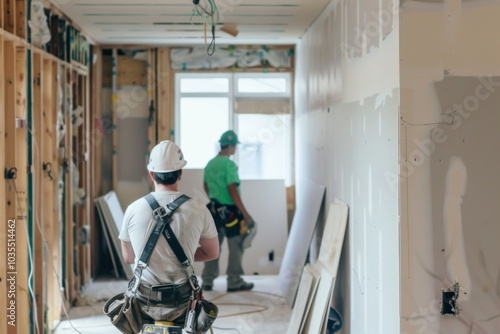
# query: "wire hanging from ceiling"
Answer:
x=209 y=12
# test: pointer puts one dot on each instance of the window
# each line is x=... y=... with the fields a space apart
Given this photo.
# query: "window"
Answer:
x=256 y=105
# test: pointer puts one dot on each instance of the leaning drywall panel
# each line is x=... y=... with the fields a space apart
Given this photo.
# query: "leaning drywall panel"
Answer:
x=307 y=290
x=266 y=202
x=333 y=237
x=309 y=200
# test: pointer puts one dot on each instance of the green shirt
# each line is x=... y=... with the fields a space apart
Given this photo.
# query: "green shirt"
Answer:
x=221 y=172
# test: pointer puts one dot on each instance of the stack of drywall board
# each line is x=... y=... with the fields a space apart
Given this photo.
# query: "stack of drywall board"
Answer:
x=111 y=217
x=312 y=305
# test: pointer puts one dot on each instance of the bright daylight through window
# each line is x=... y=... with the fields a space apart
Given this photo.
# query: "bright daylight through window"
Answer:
x=255 y=105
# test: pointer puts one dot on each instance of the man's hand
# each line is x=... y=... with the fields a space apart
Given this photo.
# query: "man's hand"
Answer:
x=250 y=222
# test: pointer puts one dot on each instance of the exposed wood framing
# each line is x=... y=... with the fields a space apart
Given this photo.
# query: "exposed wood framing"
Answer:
x=68 y=220
x=51 y=226
x=36 y=101
x=38 y=251
x=1 y=19
x=165 y=80
x=21 y=18
x=10 y=193
x=9 y=18
x=3 y=220
x=21 y=187
x=114 y=117
x=96 y=137
x=153 y=106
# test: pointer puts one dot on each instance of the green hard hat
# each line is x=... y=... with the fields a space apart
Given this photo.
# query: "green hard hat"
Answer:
x=229 y=138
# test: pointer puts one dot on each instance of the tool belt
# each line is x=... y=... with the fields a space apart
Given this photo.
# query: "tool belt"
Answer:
x=169 y=295
x=228 y=217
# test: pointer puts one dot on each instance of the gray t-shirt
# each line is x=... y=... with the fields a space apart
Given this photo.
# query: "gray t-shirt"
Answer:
x=191 y=222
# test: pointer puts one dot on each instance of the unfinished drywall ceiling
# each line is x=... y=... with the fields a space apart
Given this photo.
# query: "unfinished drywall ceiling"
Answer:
x=171 y=22
x=347 y=102
x=449 y=75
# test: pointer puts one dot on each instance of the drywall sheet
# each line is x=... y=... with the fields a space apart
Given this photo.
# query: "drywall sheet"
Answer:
x=132 y=149
x=465 y=200
x=112 y=252
x=266 y=202
x=303 y=225
x=315 y=322
x=129 y=192
x=132 y=126
x=113 y=216
x=333 y=236
x=307 y=290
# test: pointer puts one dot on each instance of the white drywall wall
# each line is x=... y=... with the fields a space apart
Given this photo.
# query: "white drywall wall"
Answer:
x=347 y=120
x=449 y=100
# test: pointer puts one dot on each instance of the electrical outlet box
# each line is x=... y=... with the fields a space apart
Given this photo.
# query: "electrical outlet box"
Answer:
x=449 y=297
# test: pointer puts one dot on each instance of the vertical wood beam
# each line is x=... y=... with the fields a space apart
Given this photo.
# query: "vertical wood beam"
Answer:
x=165 y=95
x=1 y=27
x=69 y=218
x=10 y=16
x=3 y=217
x=89 y=189
x=114 y=98
x=10 y=194
x=22 y=192
x=38 y=251
x=96 y=138
x=50 y=222
x=21 y=15
x=153 y=105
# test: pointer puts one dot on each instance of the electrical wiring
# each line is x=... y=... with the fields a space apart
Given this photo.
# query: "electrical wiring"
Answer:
x=210 y=15
x=45 y=244
x=30 y=258
x=262 y=308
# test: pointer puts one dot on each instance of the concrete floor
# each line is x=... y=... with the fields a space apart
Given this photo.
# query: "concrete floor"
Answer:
x=262 y=310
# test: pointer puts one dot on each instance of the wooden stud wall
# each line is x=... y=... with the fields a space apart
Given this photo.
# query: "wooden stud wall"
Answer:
x=165 y=95
x=9 y=12
x=10 y=162
x=95 y=139
x=38 y=250
x=3 y=225
x=51 y=225
x=21 y=190
x=20 y=19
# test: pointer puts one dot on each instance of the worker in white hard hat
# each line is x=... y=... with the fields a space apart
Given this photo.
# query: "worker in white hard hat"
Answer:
x=164 y=289
x=221 y=183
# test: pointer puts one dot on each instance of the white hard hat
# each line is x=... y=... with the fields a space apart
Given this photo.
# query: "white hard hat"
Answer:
x=166 y=157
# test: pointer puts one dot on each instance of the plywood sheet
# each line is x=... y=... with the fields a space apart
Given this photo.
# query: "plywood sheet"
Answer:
x=266 y=202
x=303 y=225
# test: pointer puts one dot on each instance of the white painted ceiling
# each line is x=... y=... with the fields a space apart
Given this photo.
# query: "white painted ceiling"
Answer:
x=168 y=22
